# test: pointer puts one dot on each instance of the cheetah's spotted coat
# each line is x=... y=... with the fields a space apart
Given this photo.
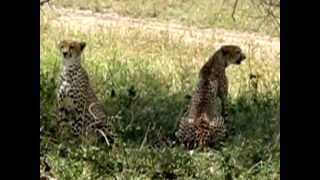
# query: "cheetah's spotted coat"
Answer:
x=77 y=102
x=204 y=123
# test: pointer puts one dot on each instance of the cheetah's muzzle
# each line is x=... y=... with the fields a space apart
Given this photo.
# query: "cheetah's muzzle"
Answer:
x=242 y=57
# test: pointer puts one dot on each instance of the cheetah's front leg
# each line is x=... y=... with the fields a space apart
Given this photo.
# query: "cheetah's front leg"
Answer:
x=64 y=107
x=223 y=95
x=77 y=109
x=224 y=106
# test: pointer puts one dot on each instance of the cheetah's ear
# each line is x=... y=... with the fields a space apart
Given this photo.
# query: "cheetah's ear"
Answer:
x=59 y=45
x=82 y=45
x=225 y=50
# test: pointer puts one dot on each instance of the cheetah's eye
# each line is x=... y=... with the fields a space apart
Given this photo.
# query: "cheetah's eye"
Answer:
x=71 y=47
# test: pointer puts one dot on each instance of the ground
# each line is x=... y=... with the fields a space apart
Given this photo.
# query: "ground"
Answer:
x=142 y=68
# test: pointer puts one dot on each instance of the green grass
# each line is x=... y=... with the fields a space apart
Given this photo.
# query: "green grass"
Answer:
x=249 y=15
x=150 y=76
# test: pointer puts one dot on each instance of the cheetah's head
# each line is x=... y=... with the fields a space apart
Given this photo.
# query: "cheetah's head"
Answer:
x=71 y=50
x=233 y=54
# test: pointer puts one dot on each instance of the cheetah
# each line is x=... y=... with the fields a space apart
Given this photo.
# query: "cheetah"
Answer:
x=77 y=102
x=205 y=121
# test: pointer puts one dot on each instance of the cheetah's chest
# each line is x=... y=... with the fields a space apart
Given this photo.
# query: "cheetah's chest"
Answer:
x=65 y=87
x=68 y=88
x=64 y=94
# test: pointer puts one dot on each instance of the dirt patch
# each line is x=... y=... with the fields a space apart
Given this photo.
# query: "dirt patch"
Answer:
x=86 y=20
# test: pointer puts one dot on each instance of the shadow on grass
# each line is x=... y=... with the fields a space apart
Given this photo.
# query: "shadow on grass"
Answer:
x=146 y=113
x=141 y=115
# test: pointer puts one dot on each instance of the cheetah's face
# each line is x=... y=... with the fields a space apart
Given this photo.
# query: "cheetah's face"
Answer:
x=71 y=50
x=233 y=54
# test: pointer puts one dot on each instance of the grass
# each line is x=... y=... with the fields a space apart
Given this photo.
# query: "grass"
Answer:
x=249 y=15
x=142 y=78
